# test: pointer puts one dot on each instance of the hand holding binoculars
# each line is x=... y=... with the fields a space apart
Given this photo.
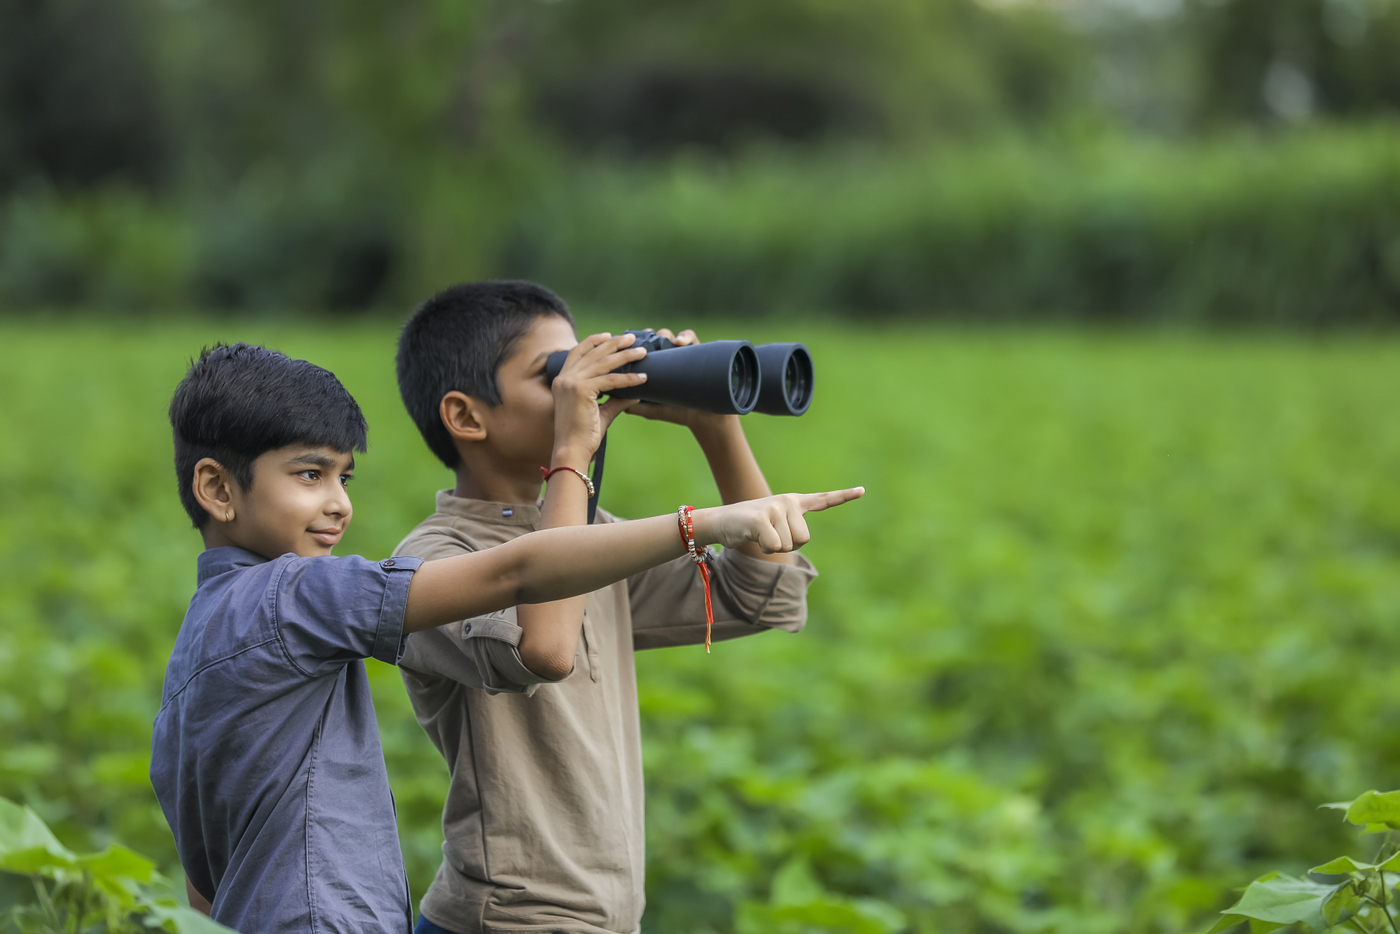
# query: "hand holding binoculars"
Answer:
x=724 y=377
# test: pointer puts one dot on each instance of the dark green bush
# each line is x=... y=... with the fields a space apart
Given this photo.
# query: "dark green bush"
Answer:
x=1301 y=229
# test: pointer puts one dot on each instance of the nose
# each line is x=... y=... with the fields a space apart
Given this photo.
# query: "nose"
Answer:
x=338 y=504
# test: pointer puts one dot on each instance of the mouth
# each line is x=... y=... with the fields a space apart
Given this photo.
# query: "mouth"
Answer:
x=327 y=537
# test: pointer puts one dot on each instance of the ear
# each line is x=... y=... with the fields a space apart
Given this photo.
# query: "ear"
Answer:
x=213 y=489
x=462 y=416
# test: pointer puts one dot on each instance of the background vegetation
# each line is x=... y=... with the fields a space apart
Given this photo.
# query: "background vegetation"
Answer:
x=1116 y=614
x=1119 y=609
x=1155 y=159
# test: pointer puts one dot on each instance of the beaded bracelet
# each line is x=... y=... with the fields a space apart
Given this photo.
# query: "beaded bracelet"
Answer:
x=687 y=526
x=574 y=470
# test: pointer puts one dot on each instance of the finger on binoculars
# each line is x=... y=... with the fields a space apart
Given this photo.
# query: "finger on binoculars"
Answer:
x=608 y=356
x=680 y=340
x=610 y=381
x=816 y=502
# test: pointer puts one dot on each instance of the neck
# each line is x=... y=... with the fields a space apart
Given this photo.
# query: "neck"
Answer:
x=496 y=486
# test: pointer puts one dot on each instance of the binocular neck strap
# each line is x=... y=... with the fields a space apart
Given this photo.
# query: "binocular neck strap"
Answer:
x=597 y=477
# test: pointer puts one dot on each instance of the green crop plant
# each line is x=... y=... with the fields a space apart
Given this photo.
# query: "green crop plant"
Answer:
x=114 y=891
x=1349 y=895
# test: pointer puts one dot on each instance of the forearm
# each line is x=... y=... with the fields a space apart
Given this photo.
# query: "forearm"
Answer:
x=553 y=564
x=736 y=470
x=544 y=566
x=549 y=631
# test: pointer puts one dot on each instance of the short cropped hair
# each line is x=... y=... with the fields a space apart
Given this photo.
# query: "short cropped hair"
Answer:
x=457 y=341
x=239 y=401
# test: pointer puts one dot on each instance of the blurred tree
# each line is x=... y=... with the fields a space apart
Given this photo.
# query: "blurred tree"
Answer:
x=79 y=102
x=650 y=78
x=1292 y=58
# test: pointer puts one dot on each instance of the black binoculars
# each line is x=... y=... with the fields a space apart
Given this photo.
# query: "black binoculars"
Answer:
x=724 y=377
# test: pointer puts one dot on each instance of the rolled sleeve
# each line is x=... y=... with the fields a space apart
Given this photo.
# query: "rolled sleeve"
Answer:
x=389 y=638
x=483 y=652
x=750 y=596
x=329 y=611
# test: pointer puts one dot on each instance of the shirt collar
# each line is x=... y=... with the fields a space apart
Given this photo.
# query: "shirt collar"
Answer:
x=480 y=510
x=215 y=561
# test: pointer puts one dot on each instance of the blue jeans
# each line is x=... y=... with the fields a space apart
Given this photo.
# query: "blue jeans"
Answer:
x=424 y=926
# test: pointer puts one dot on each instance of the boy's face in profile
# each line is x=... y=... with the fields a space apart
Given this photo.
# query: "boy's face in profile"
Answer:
x=520 y=431
x=297 y=502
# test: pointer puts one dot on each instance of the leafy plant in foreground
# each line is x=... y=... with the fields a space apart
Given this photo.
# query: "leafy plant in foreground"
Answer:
x=1363 y=899
x=115 y=891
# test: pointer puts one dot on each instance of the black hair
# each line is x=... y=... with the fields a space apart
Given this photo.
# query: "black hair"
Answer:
x=457 y=340
x=239 y=401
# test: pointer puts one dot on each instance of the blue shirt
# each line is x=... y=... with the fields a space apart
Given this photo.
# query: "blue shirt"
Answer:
x=266 y=755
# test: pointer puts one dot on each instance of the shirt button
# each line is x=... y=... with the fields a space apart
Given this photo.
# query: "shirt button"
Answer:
x=386 y=564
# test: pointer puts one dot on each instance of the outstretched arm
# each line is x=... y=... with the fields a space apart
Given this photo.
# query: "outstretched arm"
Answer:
x=553 y=564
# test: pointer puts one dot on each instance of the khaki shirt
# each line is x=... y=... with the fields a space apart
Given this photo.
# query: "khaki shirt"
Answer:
x=543 y=819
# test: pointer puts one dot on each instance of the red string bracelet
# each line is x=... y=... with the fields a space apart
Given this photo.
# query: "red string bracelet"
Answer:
x=687 y=526
x=581 y=475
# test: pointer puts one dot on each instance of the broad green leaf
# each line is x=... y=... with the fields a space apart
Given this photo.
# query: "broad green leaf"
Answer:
x=1376 y=807
x=182 y=920
x=1226 y=923
x=27 y=846
x=117 y=862
x=1285 y=900
x=1340 y=866
x=1345 y=864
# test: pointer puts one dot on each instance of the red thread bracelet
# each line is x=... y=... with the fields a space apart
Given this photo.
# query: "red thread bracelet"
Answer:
x=574 y=470
x=687 y=526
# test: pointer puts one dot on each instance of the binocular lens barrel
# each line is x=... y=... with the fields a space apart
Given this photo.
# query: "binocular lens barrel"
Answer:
x=719 y=376
x=724 y=377
x=787 y=378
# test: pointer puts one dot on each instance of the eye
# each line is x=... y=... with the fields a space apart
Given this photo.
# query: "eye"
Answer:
x=345 y=479
x=312 y=475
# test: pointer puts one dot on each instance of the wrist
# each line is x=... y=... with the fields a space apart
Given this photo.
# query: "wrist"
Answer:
x=570 y=456
x=705 y=526
x=717 y=430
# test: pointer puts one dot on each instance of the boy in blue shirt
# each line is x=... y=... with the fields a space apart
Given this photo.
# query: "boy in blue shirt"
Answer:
x=265 y=755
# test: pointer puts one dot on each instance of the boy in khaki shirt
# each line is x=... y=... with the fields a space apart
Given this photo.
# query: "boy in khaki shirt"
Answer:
x=535 y=708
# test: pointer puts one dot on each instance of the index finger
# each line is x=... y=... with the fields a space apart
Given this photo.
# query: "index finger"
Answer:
x=816 y=502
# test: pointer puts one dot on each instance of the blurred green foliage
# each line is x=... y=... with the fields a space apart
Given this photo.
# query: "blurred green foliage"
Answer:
x=1113 y=615
x=1350 y=895
x=1300 y=231
x=115 y=891
x=952 y=157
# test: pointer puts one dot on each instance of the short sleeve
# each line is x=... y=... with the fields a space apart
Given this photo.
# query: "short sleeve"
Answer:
x=332 y=610
x=750 y=596
x=480 y=653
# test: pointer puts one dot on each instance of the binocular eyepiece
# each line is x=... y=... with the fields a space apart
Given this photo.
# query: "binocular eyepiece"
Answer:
x=724 y=377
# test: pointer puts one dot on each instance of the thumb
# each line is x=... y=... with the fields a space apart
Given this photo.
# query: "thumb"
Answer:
x=612 y=409
x=816 y=502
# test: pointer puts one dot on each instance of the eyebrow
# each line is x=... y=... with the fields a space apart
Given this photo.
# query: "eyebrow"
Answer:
x=312 y=459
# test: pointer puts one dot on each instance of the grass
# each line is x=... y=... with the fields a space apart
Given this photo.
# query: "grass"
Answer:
x=1117 y=612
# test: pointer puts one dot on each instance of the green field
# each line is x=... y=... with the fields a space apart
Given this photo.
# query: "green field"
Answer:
x=1116 y=614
